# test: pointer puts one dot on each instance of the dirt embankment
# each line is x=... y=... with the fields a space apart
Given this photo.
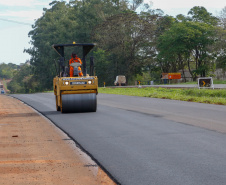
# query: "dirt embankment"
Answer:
x=34 y=151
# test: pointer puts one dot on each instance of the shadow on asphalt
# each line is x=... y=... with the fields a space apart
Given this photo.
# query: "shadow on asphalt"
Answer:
x=47 y=113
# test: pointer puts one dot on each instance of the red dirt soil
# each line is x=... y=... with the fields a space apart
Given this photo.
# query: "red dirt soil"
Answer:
x=33 y=151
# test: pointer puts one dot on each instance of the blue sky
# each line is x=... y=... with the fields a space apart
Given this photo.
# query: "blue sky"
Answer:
x=14 y=37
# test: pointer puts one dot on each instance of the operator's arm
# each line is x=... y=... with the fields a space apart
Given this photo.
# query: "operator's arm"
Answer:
x=70 y=61
x=79 y=60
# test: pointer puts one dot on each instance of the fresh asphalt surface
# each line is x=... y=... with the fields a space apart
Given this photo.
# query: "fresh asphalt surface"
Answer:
x=147 y=141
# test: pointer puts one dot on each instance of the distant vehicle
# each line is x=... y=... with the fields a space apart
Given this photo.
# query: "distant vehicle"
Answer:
x=120 y=80
x=1 y=89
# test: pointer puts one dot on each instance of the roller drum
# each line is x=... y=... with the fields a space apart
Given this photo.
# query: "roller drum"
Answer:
x=79 y=102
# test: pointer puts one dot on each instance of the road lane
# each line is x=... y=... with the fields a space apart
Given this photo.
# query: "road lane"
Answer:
x=145 y=140
x=208 y=116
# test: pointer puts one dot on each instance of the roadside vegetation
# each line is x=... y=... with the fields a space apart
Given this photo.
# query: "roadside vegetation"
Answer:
x=4 y=84
x=211 y=96
x=215 y=81
x=219 y=81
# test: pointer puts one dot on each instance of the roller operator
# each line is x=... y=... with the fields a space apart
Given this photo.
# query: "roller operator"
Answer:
x=75 y=58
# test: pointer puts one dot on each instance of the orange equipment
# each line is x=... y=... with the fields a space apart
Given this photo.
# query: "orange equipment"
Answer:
x=174 y=75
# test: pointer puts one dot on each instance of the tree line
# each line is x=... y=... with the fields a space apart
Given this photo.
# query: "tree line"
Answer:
x=129 y=41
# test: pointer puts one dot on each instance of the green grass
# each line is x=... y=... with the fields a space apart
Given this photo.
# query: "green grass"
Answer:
x=216 y=96
x=219 y=81
x=214 y=82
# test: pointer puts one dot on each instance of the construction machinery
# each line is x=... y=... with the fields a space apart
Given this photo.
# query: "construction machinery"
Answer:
x=77 y=93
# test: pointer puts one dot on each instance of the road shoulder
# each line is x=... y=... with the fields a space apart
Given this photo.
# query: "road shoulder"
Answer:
x=34 y=151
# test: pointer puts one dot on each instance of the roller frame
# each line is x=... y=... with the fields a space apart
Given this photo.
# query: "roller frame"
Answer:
x=57 y=107
x=75 y=94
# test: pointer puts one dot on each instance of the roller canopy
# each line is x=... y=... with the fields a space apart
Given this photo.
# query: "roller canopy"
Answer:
x=86 y=48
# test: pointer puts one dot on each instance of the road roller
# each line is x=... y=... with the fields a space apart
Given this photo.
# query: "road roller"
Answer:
x=75 y=93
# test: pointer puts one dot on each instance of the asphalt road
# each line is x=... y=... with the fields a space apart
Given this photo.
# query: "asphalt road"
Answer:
x=148 y=141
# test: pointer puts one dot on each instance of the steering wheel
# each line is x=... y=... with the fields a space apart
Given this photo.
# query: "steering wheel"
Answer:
x=75 y=64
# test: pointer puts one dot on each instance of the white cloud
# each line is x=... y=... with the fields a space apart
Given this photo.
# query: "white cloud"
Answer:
x=25 y=3
x=28 y=15
x=165 y=4
x=179 y=6
x=14 y=40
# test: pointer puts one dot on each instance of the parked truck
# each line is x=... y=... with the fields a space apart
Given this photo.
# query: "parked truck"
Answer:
x=120 y=80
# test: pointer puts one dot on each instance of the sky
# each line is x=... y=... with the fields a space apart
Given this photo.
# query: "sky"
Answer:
x=17 y=16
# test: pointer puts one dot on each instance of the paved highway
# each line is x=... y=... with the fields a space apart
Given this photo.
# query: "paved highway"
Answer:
x=146 y=140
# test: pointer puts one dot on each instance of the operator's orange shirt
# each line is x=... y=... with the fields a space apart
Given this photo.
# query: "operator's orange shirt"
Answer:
x=76 y=59
x=73 y=60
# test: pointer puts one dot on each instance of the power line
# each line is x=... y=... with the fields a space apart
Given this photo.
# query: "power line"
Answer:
x=17 y=22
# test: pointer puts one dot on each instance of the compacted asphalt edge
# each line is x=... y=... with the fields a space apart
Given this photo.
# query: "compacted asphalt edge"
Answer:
x=76 y=142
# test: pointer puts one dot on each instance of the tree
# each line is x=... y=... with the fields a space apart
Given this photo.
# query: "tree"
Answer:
x=89 y=13
x=220 y=46
x=173 y=52
x=164 y=23
x=125 y=38
x=54 y=27
x=23 y=81
x=6 y=70
x=128 y=43
x=65 y=23
x=222 y=18
x=200 y=14
x=187 y=42
x=104 y=69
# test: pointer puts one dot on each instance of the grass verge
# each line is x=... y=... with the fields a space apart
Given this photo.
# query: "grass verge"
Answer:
x=211 y=96
x=215 y=81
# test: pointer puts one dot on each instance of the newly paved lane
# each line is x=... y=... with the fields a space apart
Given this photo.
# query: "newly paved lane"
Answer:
x=148 y=141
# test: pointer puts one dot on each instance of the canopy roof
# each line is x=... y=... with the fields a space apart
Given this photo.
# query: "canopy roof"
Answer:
x=86 y=47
